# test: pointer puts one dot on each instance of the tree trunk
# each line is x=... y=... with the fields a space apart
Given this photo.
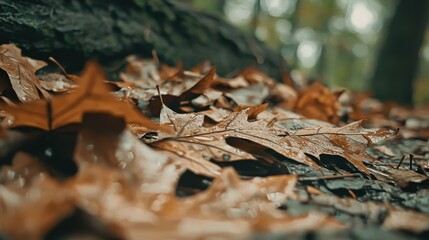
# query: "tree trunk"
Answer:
x=398 y=59
x=74 y=30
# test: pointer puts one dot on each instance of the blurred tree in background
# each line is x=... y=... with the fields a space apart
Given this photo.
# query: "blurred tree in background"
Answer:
x=398 y=59
x=334 y=41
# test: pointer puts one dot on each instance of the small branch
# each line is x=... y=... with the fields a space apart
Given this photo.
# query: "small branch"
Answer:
x=58 y=65
x=309 y=179
x=400 y=162
x=155 y=57
x=411 y=161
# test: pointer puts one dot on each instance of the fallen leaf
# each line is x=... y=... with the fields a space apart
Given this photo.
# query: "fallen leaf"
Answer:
x=180 y=124
x=349 y=141
x=181 y=93
x=252 y=111
x=406 y=220
x=318 y=102
x=31 y=202
x=404 y=177
x=120 y=149
x=21 y=72
x=92 y=95
x=56 y=82
x=205 y=143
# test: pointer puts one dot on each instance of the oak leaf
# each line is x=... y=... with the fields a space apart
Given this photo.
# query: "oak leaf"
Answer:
x=21 y=72
x=225 y=141
x=57 y=83
x=349 y=141
x=31 y=201
x=91 y=96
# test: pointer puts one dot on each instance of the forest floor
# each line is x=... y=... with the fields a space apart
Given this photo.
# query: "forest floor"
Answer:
x=169 y=153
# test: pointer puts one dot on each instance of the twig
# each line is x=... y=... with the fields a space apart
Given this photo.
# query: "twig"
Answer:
x=379 y=172
x=155 y=57
x=352 y=194
x=159 y=93
x=59 y=66
x=411 y=161
x=8 y=101
x=400 y=162
x=308 y=179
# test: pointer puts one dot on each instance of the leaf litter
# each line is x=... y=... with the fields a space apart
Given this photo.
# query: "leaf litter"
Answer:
x=241 y=157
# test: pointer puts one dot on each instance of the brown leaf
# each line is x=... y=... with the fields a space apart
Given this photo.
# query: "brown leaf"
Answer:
x=252 y=111
x=405 y=177
x=184 y=91
x=348 y=141
x=254 y=202
x=92 y=95
x=318 y=102
x=255 y=94
x=180 y=124
x=56 y=82
x=368 y=209
x=104 y=140
x=216 y=114
x=144 y=72
x=206 y=143
x=203 y=84
x=31 y=202
x=21 y=73
x=406 y=220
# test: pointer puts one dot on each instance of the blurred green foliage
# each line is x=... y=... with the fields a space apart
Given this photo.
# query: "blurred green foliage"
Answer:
x=334 y=41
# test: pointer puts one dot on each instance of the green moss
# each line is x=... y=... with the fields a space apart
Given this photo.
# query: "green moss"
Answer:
x=157 y=7
x=195 y=29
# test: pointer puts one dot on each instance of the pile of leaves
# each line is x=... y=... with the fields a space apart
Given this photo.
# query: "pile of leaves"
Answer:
x=168 y=153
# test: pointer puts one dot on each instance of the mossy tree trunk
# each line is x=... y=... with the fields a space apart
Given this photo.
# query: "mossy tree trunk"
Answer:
x=74 y=30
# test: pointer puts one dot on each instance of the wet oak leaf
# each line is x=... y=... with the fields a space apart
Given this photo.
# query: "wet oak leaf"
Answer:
x=105 y=140
x=405 y=177
x=180 y=124
x=56 y=82
x=216 y=114
x=349 y=141
x=21 y=72
x=229 y=191
x=255 y=202
x=207 y=143
x=255 y=94
x=178 y=94
x=201 y=86
x=92 y=95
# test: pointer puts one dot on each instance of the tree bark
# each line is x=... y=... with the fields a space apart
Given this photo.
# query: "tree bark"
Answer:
x=398 y=59
x=74 y=30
